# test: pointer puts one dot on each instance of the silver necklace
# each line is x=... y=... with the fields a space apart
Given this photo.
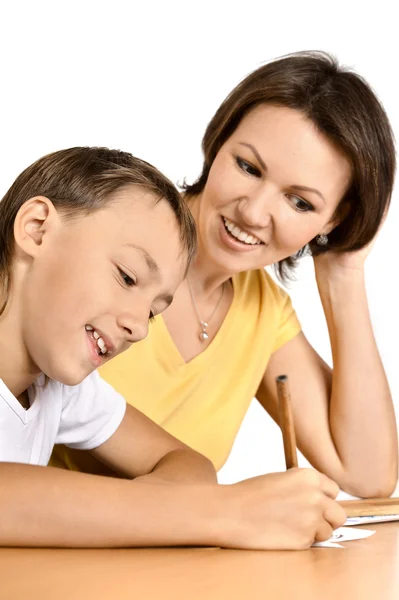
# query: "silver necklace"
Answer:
x=203 y=335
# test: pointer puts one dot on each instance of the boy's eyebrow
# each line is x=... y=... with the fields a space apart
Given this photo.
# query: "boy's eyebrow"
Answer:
x=153 y=267
x=303 y=188
x=151 y=264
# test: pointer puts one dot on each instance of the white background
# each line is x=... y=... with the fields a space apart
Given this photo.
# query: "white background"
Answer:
x=146 y=77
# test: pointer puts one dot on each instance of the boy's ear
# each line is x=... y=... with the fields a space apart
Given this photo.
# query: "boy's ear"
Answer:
x=33 y=221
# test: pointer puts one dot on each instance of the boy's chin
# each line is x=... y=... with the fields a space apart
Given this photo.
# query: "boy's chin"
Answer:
x=70 y=377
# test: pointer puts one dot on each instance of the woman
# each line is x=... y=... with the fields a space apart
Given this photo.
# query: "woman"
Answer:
x=299 y=156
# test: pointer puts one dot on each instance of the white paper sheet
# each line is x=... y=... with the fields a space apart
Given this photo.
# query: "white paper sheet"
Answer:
x=344 y=534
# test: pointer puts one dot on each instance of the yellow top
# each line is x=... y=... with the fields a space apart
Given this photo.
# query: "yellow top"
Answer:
x=204 y=401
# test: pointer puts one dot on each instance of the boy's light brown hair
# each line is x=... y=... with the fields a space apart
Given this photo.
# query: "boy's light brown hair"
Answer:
x=79 y=181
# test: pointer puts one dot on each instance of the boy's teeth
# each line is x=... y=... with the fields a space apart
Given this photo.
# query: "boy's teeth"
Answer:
x=100 y=341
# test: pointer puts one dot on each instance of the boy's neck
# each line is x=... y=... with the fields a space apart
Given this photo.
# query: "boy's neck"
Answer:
x=16 y=368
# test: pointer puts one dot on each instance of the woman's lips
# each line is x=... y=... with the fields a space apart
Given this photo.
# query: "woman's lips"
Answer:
x=234 y=244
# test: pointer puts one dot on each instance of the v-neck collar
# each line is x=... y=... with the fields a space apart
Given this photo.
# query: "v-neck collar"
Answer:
x=25 y=415
x=174 y=356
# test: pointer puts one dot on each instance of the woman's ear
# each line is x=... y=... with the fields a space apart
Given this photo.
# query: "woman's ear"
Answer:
x=33 y=221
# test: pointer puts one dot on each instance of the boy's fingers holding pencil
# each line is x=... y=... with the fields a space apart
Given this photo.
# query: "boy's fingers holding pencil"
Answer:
x=334 y=514
x=317 y=480
x=286 y=510
x=324 y=532
x=328 y=486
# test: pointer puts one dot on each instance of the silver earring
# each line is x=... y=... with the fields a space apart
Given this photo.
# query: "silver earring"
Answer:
x=322 y=239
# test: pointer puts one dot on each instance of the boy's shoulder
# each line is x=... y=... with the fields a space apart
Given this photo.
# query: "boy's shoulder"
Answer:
x=91 y=412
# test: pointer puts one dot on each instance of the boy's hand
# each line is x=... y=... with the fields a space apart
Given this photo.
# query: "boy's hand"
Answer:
x=281 y=511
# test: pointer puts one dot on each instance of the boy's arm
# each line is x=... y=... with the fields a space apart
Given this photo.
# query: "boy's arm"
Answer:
x=45 y=506
x=172 y=500
x=140 y=447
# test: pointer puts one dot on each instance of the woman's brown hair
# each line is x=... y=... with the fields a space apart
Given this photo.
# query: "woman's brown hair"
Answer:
x=345 y=109
x=79 y=181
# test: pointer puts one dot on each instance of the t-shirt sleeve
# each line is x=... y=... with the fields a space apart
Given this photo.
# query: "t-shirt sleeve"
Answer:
x=92 y=412
x=288 y=324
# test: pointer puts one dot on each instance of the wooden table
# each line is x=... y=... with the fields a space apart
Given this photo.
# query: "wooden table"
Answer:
x=365 y=570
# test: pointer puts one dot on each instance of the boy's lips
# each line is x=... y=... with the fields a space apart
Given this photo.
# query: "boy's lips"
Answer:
x=96 y=359
x=100 y=340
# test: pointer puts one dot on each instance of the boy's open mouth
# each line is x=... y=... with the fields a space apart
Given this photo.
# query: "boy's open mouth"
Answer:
x=102 y=348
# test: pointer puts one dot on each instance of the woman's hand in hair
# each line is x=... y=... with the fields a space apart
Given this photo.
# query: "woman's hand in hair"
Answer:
x=335 y=262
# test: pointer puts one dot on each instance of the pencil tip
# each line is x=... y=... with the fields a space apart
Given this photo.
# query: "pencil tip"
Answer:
x=282 y=378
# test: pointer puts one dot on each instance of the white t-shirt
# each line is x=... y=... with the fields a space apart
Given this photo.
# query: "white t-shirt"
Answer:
x=81 y=416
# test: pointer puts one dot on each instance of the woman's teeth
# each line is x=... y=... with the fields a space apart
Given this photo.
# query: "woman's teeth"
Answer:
x=100 y=342
x=240 y=234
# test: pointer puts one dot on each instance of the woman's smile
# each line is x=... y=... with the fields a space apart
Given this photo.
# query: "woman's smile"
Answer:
x=237 y=239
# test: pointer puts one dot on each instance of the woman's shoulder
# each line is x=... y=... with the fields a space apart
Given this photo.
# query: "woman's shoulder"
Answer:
x=259 y=284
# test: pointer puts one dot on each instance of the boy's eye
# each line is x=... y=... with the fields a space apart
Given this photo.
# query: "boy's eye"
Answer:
x=247 y=167
x=300 y=204
x=129 y=281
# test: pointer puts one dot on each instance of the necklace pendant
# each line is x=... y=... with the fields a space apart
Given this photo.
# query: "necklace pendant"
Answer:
x=203 y=336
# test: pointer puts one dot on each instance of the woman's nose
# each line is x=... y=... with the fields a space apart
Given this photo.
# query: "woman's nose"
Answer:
x=256 y=210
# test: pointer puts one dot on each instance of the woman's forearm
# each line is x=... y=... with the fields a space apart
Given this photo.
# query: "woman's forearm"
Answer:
x=362 y=418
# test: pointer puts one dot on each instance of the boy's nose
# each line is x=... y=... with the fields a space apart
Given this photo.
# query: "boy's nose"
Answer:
x=135 y=329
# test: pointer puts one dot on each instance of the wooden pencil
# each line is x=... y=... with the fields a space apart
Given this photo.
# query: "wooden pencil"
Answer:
x=286 y=421
x=353 y=508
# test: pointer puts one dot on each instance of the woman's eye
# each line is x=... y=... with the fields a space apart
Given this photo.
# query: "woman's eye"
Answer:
x=247 y=167
x=129 y=281
x=300 y=205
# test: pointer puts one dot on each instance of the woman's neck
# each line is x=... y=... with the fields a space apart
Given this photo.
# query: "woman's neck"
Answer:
x=205 y=279
x=205 y=276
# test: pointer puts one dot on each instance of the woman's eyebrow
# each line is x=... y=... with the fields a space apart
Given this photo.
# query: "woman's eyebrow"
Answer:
x=305 y=188
x=254 y=150
x=301 y=188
